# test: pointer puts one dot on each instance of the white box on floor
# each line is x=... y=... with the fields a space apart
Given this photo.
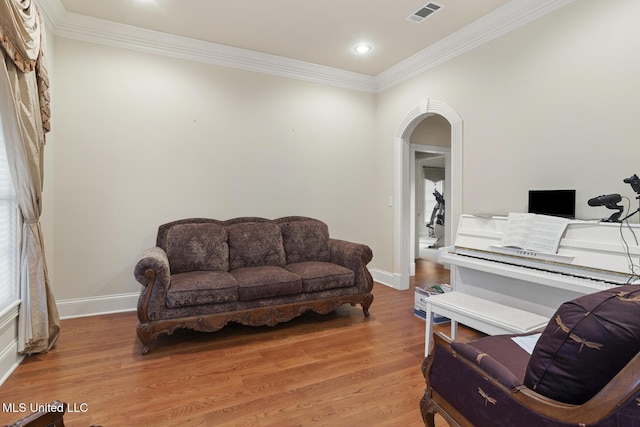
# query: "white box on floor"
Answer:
x=422 y=292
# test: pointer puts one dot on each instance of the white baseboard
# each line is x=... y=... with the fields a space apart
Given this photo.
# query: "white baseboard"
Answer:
x=9 y=361
x=93 y=306
x=9 y=357
x=385 y=278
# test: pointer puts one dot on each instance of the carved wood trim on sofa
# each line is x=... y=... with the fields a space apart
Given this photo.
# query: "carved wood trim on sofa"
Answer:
x=263 y=316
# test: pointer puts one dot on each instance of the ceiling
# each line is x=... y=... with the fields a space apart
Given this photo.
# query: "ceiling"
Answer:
x=321 y=32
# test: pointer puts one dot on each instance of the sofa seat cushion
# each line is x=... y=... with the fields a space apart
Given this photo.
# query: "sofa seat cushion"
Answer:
x=255 y=244
x=201 y=287
x=321 y=276
x=586 y=343
x=265 y=282
x=193 y=247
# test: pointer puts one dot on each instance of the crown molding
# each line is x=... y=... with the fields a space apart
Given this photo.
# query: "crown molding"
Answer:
x=79 y=27
x=52 y=12
x=507 y=18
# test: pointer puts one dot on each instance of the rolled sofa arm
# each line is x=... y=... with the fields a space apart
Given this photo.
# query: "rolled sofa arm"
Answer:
x=354 y=256
x=153 y=272
x=156 y=260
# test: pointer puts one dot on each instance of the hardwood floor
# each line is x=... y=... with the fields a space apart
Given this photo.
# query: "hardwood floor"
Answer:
x=340 y=369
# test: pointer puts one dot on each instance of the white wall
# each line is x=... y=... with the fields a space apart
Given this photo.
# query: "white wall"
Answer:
x=550 y=105
x=142 y=140
x=434 y=130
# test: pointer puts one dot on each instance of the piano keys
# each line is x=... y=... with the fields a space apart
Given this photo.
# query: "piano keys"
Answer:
x=592 y=256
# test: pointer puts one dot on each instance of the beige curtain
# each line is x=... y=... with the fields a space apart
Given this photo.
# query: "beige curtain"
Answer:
x=24 y=108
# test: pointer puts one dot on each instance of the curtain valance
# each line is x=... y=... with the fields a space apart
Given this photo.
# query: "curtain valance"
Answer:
x=22 y=37
x=20 y=27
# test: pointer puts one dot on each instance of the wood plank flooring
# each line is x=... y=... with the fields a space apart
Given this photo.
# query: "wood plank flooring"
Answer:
x=340 y=369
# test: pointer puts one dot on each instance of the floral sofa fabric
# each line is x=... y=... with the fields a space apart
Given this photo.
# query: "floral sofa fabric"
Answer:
x=204 y=273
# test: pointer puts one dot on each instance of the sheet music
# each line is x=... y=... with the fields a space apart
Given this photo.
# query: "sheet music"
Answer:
x=527 y=342
x=533 y=232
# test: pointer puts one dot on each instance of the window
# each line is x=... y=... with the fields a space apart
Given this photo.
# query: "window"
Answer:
x=8 y=233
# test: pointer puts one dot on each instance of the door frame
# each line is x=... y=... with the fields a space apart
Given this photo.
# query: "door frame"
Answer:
x=404 y=266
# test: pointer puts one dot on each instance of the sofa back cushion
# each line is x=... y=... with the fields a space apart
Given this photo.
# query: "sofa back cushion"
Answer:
x=586 y=343
x=197 y=247
x=305 y=239
x=255 y=244
x=163 y=230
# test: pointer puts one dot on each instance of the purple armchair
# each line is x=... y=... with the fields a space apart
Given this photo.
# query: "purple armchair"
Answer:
x=584 y=371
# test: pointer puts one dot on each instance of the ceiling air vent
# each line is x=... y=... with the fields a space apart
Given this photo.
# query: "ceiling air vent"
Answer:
x=424 y=12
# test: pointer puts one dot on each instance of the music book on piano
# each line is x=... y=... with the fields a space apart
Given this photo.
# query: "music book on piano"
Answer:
x=534 y=232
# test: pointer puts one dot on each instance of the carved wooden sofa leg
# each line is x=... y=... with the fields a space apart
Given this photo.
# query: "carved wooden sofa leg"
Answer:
x=146 y=336
x=148 y=332
x=366 y=304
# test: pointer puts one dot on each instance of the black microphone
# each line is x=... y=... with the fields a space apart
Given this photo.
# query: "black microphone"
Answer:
x=634 y=181
x=605 y=200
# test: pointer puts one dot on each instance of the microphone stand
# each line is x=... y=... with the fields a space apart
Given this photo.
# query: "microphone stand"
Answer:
x=615 y=217
x=632 y=213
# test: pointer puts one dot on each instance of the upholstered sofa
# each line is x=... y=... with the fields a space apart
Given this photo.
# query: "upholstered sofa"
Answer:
x=205 y=273
x=584 y=370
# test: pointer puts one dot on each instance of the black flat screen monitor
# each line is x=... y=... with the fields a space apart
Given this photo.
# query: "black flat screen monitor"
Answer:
x=553 y=202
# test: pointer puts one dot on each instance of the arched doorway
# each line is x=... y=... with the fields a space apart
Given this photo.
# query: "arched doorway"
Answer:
x=402 y=155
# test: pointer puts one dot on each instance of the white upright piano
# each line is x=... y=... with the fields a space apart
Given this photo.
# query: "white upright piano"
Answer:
x=592 y=256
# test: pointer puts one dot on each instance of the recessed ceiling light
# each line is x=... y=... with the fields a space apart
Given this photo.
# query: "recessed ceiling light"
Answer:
x=362 y=48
